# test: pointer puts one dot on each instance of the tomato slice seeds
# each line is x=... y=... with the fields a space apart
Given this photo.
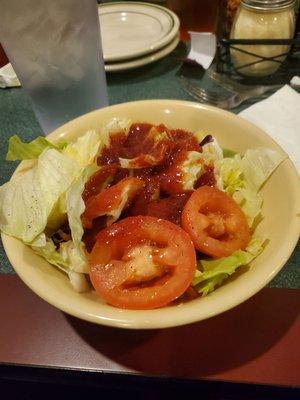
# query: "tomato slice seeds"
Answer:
x=142 y=263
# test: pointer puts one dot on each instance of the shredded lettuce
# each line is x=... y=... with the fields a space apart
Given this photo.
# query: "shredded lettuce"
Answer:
x=191 y=169
x=70 y=256
x=36 y=202
x=85 y=149
x=228 y=153
x=18 y=150
x=27 y=201
x=135 y=163
x=78 y=282
x=250 y=202
x=242 y=177
x=231 y=173
x=36 y=198
x=75 y=251
x=89 y=145
x=113 y=126
x=209 y=285
x=74 y=256
x=211 y=273
x=117 y=125
x=75 y=204
x=40 y=240
x=259 y=164
x=212 y=151
x=68 y=259
x=58 y=215
x=50 y=253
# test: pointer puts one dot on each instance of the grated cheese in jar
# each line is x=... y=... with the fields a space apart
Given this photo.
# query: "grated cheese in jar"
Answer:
x=262 y=19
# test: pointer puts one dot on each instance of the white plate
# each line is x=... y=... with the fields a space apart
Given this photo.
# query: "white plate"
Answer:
x=139 y=62
x=130 y=30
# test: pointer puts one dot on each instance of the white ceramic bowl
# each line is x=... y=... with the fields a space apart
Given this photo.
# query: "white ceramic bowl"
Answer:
x=281 y=223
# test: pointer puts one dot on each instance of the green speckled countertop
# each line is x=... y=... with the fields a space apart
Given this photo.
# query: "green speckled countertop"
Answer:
x=158 y=80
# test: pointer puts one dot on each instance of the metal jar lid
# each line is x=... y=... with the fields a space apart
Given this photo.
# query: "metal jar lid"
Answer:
x=267 y=5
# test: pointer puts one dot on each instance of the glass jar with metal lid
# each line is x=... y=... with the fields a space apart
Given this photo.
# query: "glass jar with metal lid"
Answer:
x=262 y=19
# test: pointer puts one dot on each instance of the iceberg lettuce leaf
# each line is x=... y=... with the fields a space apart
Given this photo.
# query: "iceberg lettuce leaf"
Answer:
x=228 y=153
x=18 y=150
x=75 y=205
x=79 y=282
x=37 y=198
x=212 y=151
x=85 y=149
x=74 y=257
x=83 y=152
x=258 y=165
x=211 y=273
x=210 y=284
x=242 y=177
x=50 y=253
x=27 y=201
x=113 y=126
x=68 y=259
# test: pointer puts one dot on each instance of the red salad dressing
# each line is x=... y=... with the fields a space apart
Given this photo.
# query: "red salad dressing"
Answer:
x=163 y=195
x=206 y=179
x=96 y=182
x=169 y=208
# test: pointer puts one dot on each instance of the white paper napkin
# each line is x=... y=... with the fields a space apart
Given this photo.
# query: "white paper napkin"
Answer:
x=279 y=116
x=203 y=48
x=8 y=77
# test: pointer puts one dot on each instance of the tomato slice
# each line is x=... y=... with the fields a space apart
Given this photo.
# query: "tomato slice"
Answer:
x=142 y=263
x=111 y=201
x=215 y=222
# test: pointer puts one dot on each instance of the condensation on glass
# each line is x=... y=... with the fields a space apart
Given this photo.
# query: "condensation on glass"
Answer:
x=55 y=49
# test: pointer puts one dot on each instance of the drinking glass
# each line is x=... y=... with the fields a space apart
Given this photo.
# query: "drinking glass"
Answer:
x=55 y=49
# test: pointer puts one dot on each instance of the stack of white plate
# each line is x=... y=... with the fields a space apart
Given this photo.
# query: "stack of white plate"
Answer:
x=135 y=34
